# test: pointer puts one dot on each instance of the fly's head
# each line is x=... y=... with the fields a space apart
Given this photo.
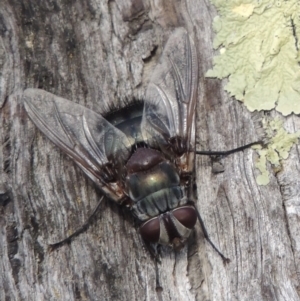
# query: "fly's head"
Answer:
x=170 y=228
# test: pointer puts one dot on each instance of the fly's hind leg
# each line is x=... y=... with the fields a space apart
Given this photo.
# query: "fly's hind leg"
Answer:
x=228 y=152
x=220 y=153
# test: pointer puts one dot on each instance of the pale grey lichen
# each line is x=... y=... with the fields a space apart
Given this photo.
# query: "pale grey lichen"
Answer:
x=279 y=144
x=259 y=52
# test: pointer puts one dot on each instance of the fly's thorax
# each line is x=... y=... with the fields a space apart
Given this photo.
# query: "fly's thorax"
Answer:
x=159 y=200
x=153 y=184
x=170 y=228
x=149 y=172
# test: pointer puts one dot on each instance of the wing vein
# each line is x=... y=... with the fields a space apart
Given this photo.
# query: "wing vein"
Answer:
x=58 y=118
x=180 y=100
x=169 y=109
x=98 y=154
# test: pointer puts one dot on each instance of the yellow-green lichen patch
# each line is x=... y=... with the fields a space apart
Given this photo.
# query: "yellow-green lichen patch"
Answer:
x=260 y=41
x=279 y=144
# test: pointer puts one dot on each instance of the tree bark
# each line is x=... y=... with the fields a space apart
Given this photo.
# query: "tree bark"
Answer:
x=101 y=54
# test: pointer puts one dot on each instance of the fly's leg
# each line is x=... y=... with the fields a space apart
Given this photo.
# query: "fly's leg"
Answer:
x=231 y=151
x=205 y=233
x=158 y=288
x=155 y=257
x=80 y=230
x=220 y=153
x=153 y=251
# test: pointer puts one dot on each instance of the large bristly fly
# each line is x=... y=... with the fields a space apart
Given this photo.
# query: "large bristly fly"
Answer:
x=144 y=158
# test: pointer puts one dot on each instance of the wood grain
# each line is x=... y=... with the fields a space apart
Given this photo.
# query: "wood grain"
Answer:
x=101 y=55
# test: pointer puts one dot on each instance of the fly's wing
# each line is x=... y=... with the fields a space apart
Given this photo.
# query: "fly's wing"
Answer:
x=169 y=113
x=96 y=146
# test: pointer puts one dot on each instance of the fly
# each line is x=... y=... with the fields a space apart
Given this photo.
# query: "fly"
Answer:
x=142 y=156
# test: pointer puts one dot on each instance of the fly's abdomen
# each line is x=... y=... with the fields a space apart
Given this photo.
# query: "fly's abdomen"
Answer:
x=153 y=184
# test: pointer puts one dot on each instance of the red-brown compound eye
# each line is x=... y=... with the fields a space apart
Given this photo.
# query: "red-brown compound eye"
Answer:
x=187 y=216
x=150 y=230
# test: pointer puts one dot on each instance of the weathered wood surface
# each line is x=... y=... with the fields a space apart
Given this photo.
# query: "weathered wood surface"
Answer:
x=101 y=54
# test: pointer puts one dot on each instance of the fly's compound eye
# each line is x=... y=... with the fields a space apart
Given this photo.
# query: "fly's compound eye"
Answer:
x=150 y=231
x=175 y=224
x=187 y=216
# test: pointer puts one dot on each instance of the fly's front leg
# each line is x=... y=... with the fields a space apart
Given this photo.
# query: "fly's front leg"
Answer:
x=218 y=154
x=155 y=257
x=206 y=236
x=205 y=233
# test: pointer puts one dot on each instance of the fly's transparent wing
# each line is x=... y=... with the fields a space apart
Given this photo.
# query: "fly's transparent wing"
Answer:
x=96 y=146
x=169 y=113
